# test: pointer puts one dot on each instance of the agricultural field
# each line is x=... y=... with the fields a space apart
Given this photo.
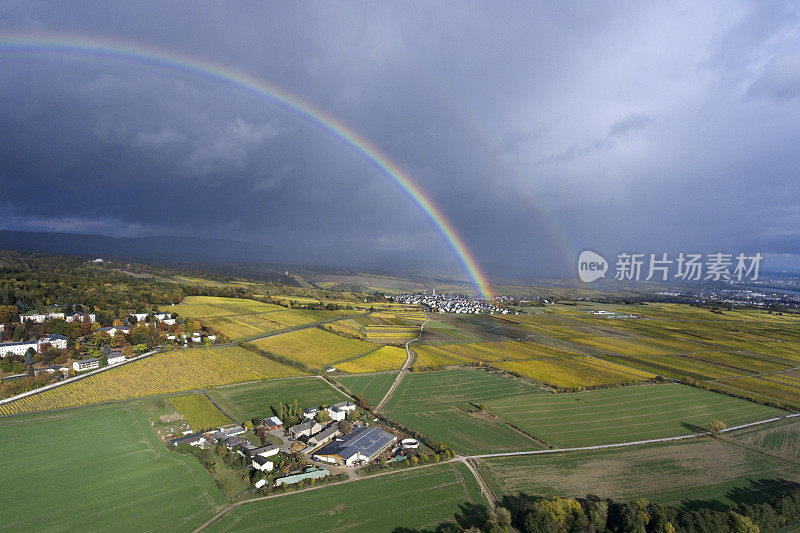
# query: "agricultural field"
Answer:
x=314 y=347
x=199 y=411
x=684 y=474
x=383 y=358
x=624 y=414
x=418 y=499
x=211 y=306
x=727 y=349
x=163 y=373
x=781 y=438
x=108 y=472
x=372 y=386
x=253 y=400
x=574 y=372
x=437 y=404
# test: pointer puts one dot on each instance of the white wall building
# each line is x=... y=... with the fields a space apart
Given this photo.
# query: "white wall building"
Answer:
x=86 y=364
x=17 y=348
x=39 y=318
x=55 y=340
x=115 y=358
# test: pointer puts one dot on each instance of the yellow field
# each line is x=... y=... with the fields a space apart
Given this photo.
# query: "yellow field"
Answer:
x=427 y=358
x=199 y=412
x=384 y=358
x=313 y=347
x=175 y=371
x=569 y=372
x=207 y=306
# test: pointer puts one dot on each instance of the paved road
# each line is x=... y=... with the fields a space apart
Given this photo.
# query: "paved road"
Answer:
x=406 y=366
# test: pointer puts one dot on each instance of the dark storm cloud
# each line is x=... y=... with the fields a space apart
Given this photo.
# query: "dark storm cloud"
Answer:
x=538 y=130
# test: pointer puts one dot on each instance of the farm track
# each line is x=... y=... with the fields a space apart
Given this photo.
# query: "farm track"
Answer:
x=406 y=366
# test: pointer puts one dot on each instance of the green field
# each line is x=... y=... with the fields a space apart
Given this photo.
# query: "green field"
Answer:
x=372 y=386
x=253 y=400
x=624 y=414
x=98 y=469
x=684 y=474
x=419 y=498
x=437 y=404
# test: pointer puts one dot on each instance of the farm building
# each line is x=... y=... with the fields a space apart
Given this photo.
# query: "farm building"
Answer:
x=338 y=411
x=261 y=463
x=309 y=473
x=310 y=412
x=195 y=439
x=266 y=451
x=260 y=483
x=115 y=358
x=86 y=364
x=324 y=436
x=362 y=444
x=272 y=422
x=305 y=429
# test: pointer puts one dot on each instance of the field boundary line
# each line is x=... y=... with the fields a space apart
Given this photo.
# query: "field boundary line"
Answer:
x=485 y=489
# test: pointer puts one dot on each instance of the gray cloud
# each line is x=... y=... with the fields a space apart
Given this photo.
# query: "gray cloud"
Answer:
x=538 y=130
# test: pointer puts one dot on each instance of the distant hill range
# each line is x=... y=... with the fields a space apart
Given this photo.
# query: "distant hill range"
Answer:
x=166 y=248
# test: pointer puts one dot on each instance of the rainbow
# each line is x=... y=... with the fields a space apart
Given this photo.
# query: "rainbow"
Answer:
x=71 y=44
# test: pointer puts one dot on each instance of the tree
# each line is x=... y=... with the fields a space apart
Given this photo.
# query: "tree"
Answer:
x=716 y=426
x=345 y=426
x=322 y=417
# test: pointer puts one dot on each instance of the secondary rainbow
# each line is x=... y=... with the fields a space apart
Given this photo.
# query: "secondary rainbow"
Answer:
x=70 y=44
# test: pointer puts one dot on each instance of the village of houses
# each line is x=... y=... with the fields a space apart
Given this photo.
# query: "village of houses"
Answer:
x=309 y=450
x=87 y=362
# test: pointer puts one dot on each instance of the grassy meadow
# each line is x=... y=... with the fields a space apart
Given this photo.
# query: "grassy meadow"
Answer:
x=372 y=386
x=624 y=414
x=418 y=499
x=253 y=400
x=98 y=469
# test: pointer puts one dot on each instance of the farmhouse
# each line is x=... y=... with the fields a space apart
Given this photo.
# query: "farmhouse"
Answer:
x=272 y=422
x=324 y=436
x=338 y=411
x=86 y=364
x=311 y=472
x=310 y=412
x=114 y=330
x=261 y=463
x=305 y=429
x=362 y=444
x=115 y=358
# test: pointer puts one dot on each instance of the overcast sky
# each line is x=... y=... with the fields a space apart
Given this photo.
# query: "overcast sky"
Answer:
x=539 y=130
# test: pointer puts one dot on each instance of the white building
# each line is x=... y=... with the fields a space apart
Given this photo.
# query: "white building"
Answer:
x=115 y=358
x=39 y=318
x=55 y=340
x=140 y=316
x=17 y=348
x=86 y=364
x=338 y=411
x=78 y=317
